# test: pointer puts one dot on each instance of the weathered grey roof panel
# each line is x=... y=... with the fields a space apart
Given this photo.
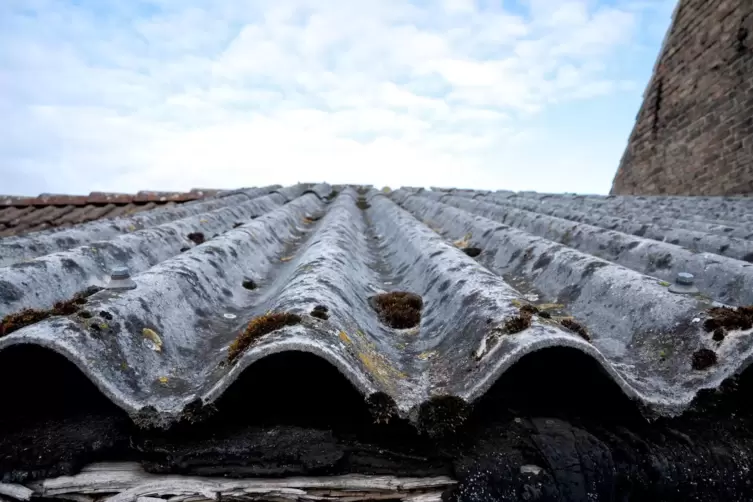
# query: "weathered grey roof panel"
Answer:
x=724 y=279
x=643 y=334
x=16 y=249
x=40 y=282
x=723 y=216
x=473 y=258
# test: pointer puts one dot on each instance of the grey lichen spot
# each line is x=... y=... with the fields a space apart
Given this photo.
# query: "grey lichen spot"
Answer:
x=570 y=294
x=144 y=305
x=9 y=292
x=71 y=266
x=544 y=260
x=591 y=268
x=664 y=261
x=443 y=287
x=566 y=238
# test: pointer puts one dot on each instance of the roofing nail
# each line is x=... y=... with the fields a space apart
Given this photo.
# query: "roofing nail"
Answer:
x=120 y=279
x=684 y=284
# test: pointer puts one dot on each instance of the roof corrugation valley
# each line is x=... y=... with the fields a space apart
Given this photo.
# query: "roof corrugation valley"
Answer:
x=422 y=299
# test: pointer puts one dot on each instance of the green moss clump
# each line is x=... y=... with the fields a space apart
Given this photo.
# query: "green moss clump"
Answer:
x=575 y=328
x=400 y=309
x=26 y=317
x=259 y=327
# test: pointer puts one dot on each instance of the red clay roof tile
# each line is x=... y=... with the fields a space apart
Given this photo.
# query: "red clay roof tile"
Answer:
x=21 y=214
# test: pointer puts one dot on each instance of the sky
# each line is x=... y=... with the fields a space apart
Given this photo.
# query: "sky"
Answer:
x=129 y=95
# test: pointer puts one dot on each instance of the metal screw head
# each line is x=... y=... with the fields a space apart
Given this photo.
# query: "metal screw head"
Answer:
x=119 y=273
x=685 y=279
x=120 y=279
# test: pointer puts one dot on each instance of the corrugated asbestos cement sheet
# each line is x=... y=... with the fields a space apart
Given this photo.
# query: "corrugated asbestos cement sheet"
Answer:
x=497 y=276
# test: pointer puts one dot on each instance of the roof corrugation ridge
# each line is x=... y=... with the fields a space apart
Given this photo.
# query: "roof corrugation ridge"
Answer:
x=721 y=209
x=325 y=268
x=172 y=298
x=184 y=300
x=695 y=204
x=464 y=304
x=721 y=278
x=709 y=215
x=718 y=243
x=337 y=253
x=40 y=282
x=644 y=334
x=15 y=249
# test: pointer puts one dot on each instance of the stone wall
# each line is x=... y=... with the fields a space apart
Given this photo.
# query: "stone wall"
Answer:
x=694 y=132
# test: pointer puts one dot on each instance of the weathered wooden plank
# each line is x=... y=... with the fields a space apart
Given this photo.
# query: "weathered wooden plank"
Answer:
x=18 y=492
x=127 y=482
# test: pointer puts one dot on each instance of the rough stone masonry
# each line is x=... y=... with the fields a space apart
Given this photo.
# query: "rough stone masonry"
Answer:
x=694 y=132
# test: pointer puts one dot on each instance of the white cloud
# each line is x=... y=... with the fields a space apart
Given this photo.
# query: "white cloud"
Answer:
x=170 y=94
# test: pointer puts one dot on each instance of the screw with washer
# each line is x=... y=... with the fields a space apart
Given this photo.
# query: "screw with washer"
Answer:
x=684 y=284
x=120 y=273
x=120 y=279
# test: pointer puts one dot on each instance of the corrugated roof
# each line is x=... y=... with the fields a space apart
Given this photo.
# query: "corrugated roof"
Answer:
x=421 y=299
x=303 y=250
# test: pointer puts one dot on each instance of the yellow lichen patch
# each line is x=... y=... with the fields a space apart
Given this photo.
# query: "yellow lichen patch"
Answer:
x=152 y=335
x=427 y=355
x=286 y=258
x=365 y=340
x=345 y=338
x=464 y=242
x=562 y=318
x=380 y=368
x=124 y=365
x=203 y=221
x=549 y=306
x=386 y=189
x=307 y=221
x=104 y=325
x=131 y=228
x=366 y=360
x=162 y=379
